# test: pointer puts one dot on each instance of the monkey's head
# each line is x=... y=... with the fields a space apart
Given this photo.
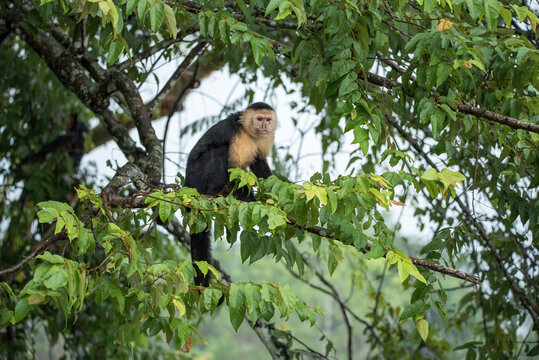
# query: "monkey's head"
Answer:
x=259 y=120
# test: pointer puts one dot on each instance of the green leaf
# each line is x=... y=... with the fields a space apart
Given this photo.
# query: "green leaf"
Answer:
x=273 y=4
x=210 y=298
x=259 y=46
x=361 y=137
x=130 y=7
x=47 y=215
x=243 y=7
x=437 y=123
x=253 y=298
x=58 y=280
x=348 y=84
x=523 y=54
x=507 y=16
x=104 y=6
x=404 y=270
x=376 y=251
x=203 y=266
x=299 y=10
x=475 y=8
x=51 y=258
x=442 y=72
x=170 y=20
x=236 y=301
x=115 y=50
x=341 y=68
x=449 y=177
x=142 y=8
x=428 y=5
x=289 y=300
x=471 y=354
x=113 y=14
x=492 y=11
x=21 y=309
x=521 y=12
x=430 y=174
x=284 y=10
x=224 y=31
x=438 y=242
x=534 y=351
x=58 y=206
x=415 y=273
x=335 y=256
x=165 y=209
x=422 y=328
x=275 y=219
x=157 y=12
x=414 y=309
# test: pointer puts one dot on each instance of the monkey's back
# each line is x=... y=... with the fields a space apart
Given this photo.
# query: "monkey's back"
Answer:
x=207 y=165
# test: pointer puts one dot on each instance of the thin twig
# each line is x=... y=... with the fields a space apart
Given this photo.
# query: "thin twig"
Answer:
x=37 y=250
x=186 y=63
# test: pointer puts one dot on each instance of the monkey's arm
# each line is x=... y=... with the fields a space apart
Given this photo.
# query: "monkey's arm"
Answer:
x=261 y=168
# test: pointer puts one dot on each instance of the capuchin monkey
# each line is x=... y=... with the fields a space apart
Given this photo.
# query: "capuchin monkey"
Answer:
x=244 y=139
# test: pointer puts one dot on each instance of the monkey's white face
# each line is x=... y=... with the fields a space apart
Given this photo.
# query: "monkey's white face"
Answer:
x=263 y=122
x=259 y=123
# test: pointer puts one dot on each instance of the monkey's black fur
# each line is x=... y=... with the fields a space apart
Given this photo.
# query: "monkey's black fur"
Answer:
x=207 y=171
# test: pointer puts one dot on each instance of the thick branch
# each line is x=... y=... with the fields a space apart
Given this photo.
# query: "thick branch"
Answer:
x=141 y=116
x=499 y=118
x=66 y=69
x=72 y=75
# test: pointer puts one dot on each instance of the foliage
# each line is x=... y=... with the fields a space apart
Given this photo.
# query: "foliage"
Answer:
x=446 y=90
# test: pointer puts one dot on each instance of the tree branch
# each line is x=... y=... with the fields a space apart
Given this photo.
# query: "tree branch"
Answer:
x=176 y=75
x=156 y=48
x=37 y=250
x=72 y=75
x=481 y=114
x=141 y=117
x=318 y=230
x=138 y=201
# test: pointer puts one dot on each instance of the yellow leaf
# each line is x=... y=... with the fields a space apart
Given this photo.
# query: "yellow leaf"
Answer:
x=113 y=14
x=35 y=299
x=444 y=25
x=467 y=64
x=423 y=329
x=180 y=306
x=170 y=19
x=105 y=7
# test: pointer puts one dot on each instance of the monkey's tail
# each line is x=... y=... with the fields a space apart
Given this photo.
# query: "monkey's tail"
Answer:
x=201 y=251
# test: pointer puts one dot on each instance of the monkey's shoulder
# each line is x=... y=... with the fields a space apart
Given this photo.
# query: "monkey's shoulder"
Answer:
x=222 y=132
